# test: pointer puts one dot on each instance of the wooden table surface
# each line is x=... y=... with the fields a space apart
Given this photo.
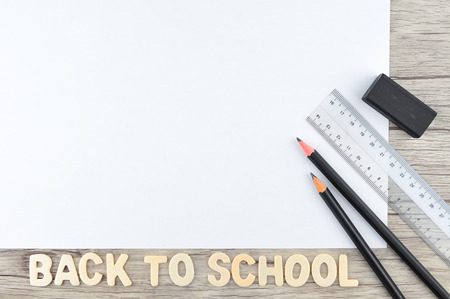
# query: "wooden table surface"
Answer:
x=420 y=61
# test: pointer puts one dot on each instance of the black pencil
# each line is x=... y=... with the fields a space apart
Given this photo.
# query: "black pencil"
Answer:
x=356 y=237
x=374 y=221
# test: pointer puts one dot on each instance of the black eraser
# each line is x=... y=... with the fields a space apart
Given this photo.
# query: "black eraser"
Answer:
x=401 y=107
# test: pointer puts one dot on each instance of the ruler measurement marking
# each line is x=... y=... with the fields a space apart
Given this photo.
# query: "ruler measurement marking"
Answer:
x=370 y=154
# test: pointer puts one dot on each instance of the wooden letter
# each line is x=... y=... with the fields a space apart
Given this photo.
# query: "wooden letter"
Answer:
x=344 y=281
x=116 y=269
x=154 y=262
x=332 y=270
x=289 y=270
x=236 y=271
x=173 y=269
x=276 y=270
x=83 y=269
x=44 y=269
x=71 y=275
x=224 y=273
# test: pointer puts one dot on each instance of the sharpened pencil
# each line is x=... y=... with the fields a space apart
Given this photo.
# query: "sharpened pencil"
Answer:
x=356 y=237
x=373 y=220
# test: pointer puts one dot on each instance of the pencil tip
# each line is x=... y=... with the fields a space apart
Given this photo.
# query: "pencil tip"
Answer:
x=319 y=185
x=306 y=148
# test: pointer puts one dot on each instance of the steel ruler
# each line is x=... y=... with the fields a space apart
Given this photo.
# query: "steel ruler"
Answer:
x=384 y=170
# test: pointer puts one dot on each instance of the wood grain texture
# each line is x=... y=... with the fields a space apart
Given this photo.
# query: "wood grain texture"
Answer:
x=420 y=61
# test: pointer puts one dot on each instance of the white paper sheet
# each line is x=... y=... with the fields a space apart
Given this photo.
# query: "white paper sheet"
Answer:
x=172 y=124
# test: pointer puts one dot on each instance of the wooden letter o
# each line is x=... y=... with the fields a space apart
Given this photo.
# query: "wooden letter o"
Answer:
x=332 y=270
x=289 y=270
x=173 y=269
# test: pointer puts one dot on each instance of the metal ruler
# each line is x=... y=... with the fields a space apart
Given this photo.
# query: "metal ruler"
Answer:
x=385 y=170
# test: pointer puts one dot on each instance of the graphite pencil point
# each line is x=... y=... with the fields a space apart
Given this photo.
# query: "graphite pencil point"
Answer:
x=312 y=175
x=319 y=185
x=306 y=148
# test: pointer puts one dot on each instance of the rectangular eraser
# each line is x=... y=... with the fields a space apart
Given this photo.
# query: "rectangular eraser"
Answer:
x=397 y=104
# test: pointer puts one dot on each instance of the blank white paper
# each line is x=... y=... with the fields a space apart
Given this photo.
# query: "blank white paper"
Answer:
x=172 y=124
